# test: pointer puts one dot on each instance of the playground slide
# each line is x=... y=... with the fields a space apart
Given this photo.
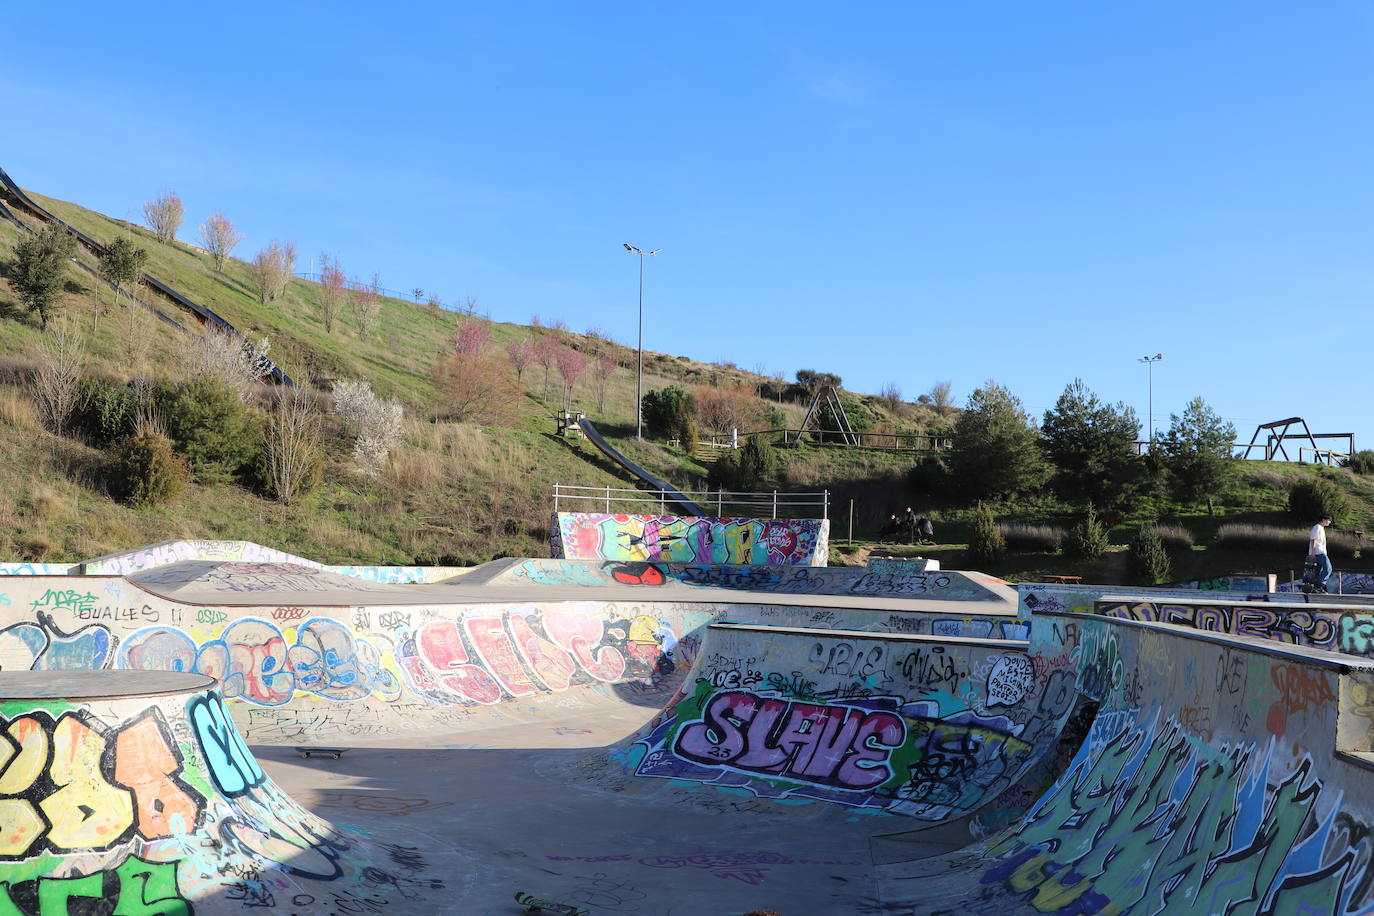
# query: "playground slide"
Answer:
x=202 y=314
x=688 y=507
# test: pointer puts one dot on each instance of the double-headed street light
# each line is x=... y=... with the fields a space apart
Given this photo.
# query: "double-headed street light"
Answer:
x=639 y=375
x=1150 y=361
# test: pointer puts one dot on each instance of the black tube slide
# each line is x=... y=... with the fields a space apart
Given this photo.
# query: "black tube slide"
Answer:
x=594 y=437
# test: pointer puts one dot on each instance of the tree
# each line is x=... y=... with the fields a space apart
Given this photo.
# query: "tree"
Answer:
x=333 y=284
x=367 y=305
x=121 y=264
x=891 y=395
x=164 y=214
x=571 y=366
x=1197 y=453
x=39 y=269
x=814 y=381
x=941 y=397
x=996 y=449
x=375 y=423
x=272 y=269
x=1309 y=500
x=475 y=388
x=1092 y=447
x=728 y=407
x=546 y=355
x=57 y=381
x=606 y=364
x=435 y=306
x=470 y=338
x=236 y=362
x=669 y=414
x=1147 y=563
x=418 y=293
x=209 y=424
x=291 y=447
x=748 y=469
x=220 y=238
x=1086 y=540
x=521 y=355
x=986 y=543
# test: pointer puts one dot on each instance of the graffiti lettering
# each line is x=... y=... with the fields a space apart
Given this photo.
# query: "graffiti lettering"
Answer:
x=839 y=746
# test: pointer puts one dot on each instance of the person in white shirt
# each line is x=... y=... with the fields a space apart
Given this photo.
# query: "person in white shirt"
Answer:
x=1316 y=551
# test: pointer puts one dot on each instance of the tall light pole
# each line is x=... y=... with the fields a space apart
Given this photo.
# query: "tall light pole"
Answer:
x=1150 y=361
x=639 y=375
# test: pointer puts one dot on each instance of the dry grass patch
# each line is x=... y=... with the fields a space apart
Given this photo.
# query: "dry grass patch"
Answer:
x=17 y=410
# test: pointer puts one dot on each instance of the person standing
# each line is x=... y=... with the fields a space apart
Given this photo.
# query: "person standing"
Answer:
x=1316 y=552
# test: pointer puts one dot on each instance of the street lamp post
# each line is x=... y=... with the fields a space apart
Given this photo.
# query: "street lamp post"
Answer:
x=639 y=374
x=1149 y=362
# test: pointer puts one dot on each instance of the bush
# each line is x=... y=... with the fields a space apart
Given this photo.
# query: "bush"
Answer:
x=1147 y=563
x=105 y=412
x=1086 y=540
x=748 y=469
x=1311 y=499
x=1236 y=536
x=209 y=425
x=145 y=470
x=669 y=414
x=1361 y=462
x=1174 y=537
x=985 y=541
x=930 y=475
x=1043 y=538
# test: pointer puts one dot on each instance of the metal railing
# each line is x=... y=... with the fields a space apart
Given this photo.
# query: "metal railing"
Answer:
x=914 y=442
x=768 y=504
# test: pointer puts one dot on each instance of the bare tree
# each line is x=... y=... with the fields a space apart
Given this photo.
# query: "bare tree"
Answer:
x=469 y=305
x=892 y=396
x=164 y=214
x=272 y=269
x=942 y=396
x=475 y=388
x=220 y=238
x=779 y=378
x=546 y=355
x=375 y=423
x=436 y=307
x=291 y=443
x=607 y=364
x=333 y=284
x=237 y=362
x=521 y=355
x=571 y=366
x=367 y=304
x=133 y=334
x=55 y=383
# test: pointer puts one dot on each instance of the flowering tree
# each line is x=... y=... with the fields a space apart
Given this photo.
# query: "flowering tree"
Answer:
x=470 y=338
x=571 y=366
x=521 y=355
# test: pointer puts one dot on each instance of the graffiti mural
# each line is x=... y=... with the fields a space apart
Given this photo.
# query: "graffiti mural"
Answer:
x=671 y=538
x=1348 y=631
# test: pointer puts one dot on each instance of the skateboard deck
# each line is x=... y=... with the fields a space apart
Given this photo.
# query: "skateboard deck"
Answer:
x=540 y=905
x=335 y=752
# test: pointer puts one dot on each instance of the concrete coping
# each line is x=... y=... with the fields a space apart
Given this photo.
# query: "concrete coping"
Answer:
x=1249 y=601
x=1322 y=658
x=1019 y=645
x=98 y=685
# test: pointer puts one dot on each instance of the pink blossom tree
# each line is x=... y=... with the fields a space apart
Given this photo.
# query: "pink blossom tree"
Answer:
x=571 y=366
x=521 y=354
x=470 y=338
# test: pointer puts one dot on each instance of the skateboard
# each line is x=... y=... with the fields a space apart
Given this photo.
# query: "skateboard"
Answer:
x=539 y=905
x=308 y=752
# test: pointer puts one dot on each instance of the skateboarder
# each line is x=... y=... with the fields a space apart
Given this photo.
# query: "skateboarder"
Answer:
x=1316 y=552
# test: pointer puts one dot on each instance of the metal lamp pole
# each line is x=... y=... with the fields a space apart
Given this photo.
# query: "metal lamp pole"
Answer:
x=639 y=374
x=1150 y=361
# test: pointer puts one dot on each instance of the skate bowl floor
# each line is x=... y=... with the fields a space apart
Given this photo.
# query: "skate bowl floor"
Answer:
x=644 y=739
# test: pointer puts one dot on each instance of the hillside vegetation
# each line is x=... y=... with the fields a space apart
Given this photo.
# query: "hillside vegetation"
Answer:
x=471 y=474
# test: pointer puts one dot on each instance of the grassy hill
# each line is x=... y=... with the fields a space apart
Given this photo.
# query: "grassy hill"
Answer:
x=465 y=492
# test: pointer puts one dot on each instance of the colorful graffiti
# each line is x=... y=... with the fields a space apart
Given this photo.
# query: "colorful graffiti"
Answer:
x=671 y=538
x=1151 y=817
x=481 y=659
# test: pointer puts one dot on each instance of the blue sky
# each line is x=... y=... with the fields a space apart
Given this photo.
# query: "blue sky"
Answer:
x=904 y=192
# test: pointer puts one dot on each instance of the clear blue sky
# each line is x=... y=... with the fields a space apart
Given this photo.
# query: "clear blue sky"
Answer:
x=902 y=192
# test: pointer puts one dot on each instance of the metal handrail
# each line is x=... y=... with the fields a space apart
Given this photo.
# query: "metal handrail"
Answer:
x=604 y=498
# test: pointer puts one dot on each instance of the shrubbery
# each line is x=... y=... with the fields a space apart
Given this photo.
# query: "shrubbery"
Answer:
x=1311 y=499
x=669 y=414
x=145 y=471
x=1361 y=462
x=1147 y=563
x=104 y=412
x=748 y=469
x=1044 y=538
x=209 y=425
x=985 y=541
x=1086 y=540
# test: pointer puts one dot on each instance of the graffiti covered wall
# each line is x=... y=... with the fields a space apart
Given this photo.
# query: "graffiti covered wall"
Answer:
x=677 y=539
x=294 y=673
x=917 y=727
x=1207 y=785
x=154 y=806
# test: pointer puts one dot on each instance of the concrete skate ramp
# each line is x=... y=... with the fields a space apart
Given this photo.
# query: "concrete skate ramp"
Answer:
x=657 y=752
x=1222 y=775
x=131 y=792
